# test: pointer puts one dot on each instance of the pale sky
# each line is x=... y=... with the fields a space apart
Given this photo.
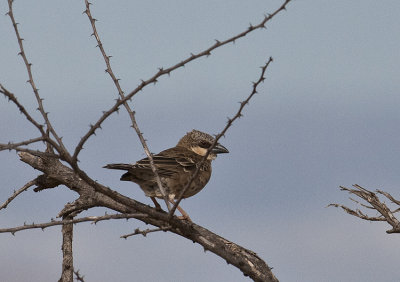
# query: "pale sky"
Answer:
x=327 y=115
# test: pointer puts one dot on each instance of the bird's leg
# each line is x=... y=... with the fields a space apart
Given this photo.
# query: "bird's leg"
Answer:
x=158 y=207
x=182 y=211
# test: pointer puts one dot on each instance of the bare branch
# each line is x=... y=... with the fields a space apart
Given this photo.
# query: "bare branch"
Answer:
x=385 y=213
x=78 y=276
x=11 y=97
x=247 y=261
x=145 y=232
x=128 y=109
x=93 y=219
x=164 y=71
x=13 y=146
x=390 y=197
x=16 y=193
x=37 y=153
x=67 y=273
x=60 y=147
x=222 y=133
x=358 y=213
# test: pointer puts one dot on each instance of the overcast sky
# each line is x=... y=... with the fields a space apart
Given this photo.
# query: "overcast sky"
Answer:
x=327 y=115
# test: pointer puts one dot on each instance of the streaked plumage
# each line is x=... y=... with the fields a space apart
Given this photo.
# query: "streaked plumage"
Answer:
x=175 y=167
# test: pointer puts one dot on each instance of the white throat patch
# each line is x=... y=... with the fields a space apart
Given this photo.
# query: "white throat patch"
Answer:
x=202 y=151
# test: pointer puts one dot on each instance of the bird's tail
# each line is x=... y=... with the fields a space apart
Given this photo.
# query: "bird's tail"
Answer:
x=118 y=166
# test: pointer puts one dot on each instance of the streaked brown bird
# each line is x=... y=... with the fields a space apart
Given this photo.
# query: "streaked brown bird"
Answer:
x=175 y=166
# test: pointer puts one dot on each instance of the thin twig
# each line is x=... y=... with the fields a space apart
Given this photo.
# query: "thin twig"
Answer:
x=146 y=231
x=164 y=71
x=11 y=97
x=127 y=107
x=12 y=146
x=78 y=276
x=93 y=219
x=385 y=213
x=390 y=197
x=60 y=146
x=222 y=133
x=16 y=193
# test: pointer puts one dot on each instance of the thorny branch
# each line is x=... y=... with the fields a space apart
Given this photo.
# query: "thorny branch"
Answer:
x=79 y=277
x=14 y=146
x=222 y=133
x=94 y=194
x=168 y=70
x=93 y=219
x=11 y=97
x=126 y=105
x=146 y=231
x=60 y=146
x=386 y=214
x=17 y=192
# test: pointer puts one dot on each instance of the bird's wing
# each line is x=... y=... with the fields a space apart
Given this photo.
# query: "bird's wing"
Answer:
x=170 y=161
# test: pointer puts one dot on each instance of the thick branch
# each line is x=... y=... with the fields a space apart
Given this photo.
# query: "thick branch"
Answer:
x=247 y=261
x=67 y=274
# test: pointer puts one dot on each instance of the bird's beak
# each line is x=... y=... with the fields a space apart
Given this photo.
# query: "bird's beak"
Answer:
x=219 y=149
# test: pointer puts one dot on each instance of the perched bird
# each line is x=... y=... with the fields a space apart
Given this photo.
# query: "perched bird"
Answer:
x=175 y=166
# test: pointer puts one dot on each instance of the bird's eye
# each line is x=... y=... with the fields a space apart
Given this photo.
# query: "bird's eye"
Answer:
x=204 y=145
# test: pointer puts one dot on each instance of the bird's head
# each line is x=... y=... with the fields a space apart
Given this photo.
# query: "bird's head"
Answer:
x=199 y=142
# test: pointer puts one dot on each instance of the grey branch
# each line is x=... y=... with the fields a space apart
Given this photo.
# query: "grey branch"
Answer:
x=93 y=219
x=67 y=273
x=145 y=232
x=222 y=133
x=126 y=105
x=247 y=261
x=15 y=146
x=386 y=214
x=17 y=192
x=167 y=71
x=60 y=146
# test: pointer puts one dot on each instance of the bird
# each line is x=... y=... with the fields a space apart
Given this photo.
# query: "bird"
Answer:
x=175 y=167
